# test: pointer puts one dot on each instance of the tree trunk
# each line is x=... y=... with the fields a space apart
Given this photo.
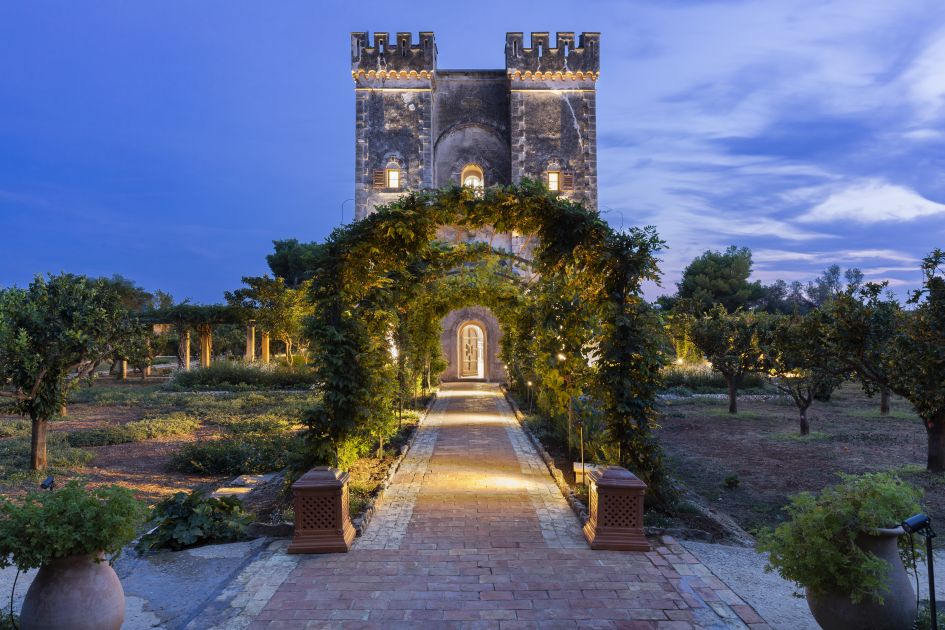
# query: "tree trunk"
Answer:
x=884 y=402
x=805 y=427
x=63 y=411
x=288 y=351
x=38 y=443
x=935 y=428
x=732 y=394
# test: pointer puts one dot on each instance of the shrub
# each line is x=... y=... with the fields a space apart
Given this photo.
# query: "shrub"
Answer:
x=250 y=453
x=237 y=375
x=15 y=456
x=817 y=547
x=138 y=431
x=14 y=428
x=186 y=520
x=67 y=522
x=701 y=378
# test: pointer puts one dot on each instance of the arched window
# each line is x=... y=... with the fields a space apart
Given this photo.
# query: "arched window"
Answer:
x=471 y=177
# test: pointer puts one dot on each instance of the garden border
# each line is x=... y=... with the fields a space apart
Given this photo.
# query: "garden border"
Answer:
x=361 y=522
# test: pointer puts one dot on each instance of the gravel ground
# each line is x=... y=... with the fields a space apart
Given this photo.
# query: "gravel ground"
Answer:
x=742 y=568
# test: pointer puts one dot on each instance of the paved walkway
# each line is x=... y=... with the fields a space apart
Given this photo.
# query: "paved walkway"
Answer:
x=473 y=533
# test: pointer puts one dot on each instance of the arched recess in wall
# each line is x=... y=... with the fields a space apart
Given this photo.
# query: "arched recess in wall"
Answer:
x=471 y=143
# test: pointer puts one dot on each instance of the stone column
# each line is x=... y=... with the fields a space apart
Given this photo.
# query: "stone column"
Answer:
x=250 y=341
x=264 y=347
x=187 y=351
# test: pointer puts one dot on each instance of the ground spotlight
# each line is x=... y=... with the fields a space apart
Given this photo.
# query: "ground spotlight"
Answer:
x=922 y=524
x=48 y=483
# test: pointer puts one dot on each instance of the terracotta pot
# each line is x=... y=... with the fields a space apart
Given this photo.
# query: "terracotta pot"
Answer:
x=835 y=611
x=74 y=593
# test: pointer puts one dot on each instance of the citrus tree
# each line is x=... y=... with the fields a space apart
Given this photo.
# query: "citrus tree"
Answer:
x=52 y=334
x=731 y=343
x=915 y=360
x=799 y=361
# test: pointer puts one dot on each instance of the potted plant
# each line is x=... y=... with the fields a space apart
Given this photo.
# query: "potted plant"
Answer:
x=845 y=547
x=71 y=535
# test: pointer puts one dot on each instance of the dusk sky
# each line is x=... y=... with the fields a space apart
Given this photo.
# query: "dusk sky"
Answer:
x=172 y=141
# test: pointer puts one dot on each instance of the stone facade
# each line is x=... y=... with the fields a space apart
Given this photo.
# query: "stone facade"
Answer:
x=418 y=127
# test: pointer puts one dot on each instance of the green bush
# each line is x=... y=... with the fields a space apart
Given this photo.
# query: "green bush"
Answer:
x=70 y=521
x=924 y=618
x=15 y=456
x=247 y=454
x=138 y=431
x=816 y=548
x=8 y=622
x=702 y=379
x=186 y=520
x=238 y=375
x=14 y=428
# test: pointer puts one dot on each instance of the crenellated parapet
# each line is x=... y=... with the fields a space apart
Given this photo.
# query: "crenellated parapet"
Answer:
x=541 y=61
x=401 y=59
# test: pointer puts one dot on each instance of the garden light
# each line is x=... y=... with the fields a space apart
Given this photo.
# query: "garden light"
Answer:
x=48 y=483
x=922 y=524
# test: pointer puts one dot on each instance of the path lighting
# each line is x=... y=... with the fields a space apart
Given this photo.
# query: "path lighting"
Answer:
x=531 y=398
x=561 y=356
x=922 y=524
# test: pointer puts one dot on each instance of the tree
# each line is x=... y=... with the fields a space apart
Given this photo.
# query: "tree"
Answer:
x=862 y=326
x=719 y=278
x=277 y=308
x=828 y=286
x=730 y=342
x=51 y=335
x=799 y=361
x=916 y=357
x=292 y=261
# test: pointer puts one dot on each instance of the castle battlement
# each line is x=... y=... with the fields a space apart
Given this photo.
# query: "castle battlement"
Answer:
x=402 y=59
x=544 y=62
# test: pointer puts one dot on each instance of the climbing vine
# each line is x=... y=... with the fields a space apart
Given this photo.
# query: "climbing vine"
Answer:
x=572 y=316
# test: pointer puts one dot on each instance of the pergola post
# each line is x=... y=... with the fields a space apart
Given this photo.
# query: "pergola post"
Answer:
x=251 y=341
x=187 y=351
x=264 y=347
x=206 y=346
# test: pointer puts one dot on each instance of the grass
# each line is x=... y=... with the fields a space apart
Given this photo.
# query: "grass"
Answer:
x=138 y=431
x=15 y=458
x=813 y=436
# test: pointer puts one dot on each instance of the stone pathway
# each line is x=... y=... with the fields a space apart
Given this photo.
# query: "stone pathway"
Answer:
x=473 y=533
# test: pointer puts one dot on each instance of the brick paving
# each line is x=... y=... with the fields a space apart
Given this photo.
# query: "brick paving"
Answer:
x=473 y=533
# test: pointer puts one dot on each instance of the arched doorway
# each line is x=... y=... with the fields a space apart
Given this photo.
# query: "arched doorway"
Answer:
x=471 y=351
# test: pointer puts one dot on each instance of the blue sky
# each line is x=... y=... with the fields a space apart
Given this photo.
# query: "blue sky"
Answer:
x=172 y=141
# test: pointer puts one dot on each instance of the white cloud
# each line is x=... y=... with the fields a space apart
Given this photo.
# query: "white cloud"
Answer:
x=925 y=79
x=848 y=256
x=872 y=201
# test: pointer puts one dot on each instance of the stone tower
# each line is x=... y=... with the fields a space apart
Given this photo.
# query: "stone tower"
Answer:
x=418 y=126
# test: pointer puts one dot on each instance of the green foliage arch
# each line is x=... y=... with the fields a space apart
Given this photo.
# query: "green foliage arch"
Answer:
x=377 y=277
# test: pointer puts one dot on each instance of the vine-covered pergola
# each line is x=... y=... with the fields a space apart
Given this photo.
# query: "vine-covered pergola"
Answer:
x=385 y=281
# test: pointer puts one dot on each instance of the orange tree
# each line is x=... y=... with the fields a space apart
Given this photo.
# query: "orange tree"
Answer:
x=368 y=276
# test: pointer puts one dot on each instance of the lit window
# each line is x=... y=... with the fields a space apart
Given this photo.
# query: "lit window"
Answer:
x=554 y=183
x=471 y=177
x=393 y=178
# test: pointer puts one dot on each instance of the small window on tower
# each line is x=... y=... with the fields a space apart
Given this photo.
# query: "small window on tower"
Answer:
x=393 y=178
x=554 y=181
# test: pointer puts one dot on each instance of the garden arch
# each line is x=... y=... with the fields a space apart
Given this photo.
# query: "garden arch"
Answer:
x=371 y=278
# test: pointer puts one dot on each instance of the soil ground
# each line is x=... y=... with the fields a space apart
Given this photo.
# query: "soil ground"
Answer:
x=143 y=466
x=747 y=465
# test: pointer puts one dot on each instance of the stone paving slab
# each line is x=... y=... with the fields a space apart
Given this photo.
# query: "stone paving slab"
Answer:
x=473 y=533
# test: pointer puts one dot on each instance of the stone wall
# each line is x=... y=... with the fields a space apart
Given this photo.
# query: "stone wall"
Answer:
x=451 y=325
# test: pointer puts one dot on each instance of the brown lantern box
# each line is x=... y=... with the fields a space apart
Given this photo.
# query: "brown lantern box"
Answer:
x=322 y=521
x=616 y=510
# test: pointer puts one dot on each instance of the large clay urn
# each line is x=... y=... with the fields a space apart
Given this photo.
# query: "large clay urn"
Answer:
x=835 y=611
x=74 y=593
